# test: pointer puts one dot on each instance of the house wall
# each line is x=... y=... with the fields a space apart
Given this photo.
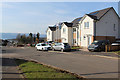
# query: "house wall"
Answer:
x=85 y=33
x=58 y=35
x=75 y=37
x=70 y=36
x=119 y=29
x=64 y=36
x=49 y=35
x=67 y=36
x=105 y=27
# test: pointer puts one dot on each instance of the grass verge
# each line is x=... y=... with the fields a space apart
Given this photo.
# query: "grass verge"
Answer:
x=35 y=71
x=76 y=47
x=118 y=52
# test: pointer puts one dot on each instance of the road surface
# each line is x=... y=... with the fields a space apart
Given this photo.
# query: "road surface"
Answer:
x=89 y=66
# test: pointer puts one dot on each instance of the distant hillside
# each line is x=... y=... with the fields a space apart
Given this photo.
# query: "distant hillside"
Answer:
x=13 y=35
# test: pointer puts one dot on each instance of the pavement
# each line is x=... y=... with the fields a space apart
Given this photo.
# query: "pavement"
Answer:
x=10 y=70
x=97 y=65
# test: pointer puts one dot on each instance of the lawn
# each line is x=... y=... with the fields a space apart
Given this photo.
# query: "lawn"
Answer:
x=118 y=52
x=76 y=47
x=35 y=71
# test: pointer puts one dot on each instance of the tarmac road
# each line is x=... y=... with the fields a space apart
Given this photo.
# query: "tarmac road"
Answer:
x=86 y=65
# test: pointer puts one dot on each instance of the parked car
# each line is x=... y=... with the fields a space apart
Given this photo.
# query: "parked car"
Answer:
x=42 y=46
x=98 y=45
x=61 y=46
x=117 y=43
x=49 y=42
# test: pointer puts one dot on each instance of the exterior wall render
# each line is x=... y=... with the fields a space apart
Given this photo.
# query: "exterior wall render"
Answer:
x=49 y=35
x=108 y=25
x=86 y=33
x=70 y=39
x=64 y=35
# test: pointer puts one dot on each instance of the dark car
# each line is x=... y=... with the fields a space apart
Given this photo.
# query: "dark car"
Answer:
x=98 y=45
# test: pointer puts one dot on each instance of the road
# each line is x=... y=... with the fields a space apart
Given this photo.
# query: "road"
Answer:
x=86 y=65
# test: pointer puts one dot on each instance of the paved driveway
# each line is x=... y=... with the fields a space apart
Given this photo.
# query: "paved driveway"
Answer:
x=79 y=62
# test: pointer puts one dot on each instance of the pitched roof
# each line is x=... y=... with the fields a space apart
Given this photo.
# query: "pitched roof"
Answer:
x=68 y=24
x=52 y=28
x=98 y=14
x=76 y=21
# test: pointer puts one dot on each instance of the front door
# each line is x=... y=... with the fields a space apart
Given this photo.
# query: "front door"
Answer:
x=89 y=40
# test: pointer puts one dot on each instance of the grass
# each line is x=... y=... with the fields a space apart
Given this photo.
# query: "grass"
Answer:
x=35 y=71
x=118 y=52
x=76 y=47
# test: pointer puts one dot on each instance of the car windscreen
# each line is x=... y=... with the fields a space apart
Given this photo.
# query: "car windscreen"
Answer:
x=43 y=44
x=66 y=44
x=95 y=42
x=50 y=41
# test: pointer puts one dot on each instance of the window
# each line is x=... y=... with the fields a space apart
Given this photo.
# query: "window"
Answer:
x=74 y=29
x=84 y=37
x=77 y=34
x=114 y=27
x=64 y=30
x=74 y=40
x=86 y=25
x=49 y=33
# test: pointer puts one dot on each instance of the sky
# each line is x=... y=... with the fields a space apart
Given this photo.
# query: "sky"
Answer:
x=26 y=17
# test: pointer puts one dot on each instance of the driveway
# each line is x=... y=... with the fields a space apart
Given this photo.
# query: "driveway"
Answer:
x=79 y=62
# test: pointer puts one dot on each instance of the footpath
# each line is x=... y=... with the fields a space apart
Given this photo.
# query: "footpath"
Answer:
x=10 y=70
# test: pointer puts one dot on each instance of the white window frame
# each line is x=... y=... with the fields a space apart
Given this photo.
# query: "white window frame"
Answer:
x=86 y=25
x=64 y=30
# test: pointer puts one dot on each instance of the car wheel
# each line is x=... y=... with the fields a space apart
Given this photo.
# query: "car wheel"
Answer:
x=42 y=49
x=62 y=50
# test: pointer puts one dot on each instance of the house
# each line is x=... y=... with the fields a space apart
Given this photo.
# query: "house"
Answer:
x=66 y=33
x=99 y=25
x=75 y=31
x=54 y=33
x=51 y=33
x=58 y=32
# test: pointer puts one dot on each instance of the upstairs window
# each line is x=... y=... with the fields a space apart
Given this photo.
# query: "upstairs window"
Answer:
x=49 y=33
x=114 y=27
x=64 y=30
x=74 y=29
x=86 y=25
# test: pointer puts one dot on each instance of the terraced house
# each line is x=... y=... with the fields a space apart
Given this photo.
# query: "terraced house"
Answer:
x=98 y=25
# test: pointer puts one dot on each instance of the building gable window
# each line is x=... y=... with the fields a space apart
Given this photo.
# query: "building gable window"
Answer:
x=64 y=30
x=74 y=29
x=114 y=27
x=86 y=25
x=49 y=33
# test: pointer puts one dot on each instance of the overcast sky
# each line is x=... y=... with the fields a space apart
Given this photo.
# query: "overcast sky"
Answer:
x=26 y=17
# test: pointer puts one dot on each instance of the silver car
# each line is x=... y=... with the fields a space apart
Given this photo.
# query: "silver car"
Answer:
x=61 y=46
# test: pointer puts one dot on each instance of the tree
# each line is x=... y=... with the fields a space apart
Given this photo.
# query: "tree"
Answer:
x=30 y=38
x=37 y=39
x=34 y=38
x=38 y=35
x=23 y=39
x=18 y=38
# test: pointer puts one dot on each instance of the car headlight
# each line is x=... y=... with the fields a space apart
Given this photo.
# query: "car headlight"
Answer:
x=96 y=46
